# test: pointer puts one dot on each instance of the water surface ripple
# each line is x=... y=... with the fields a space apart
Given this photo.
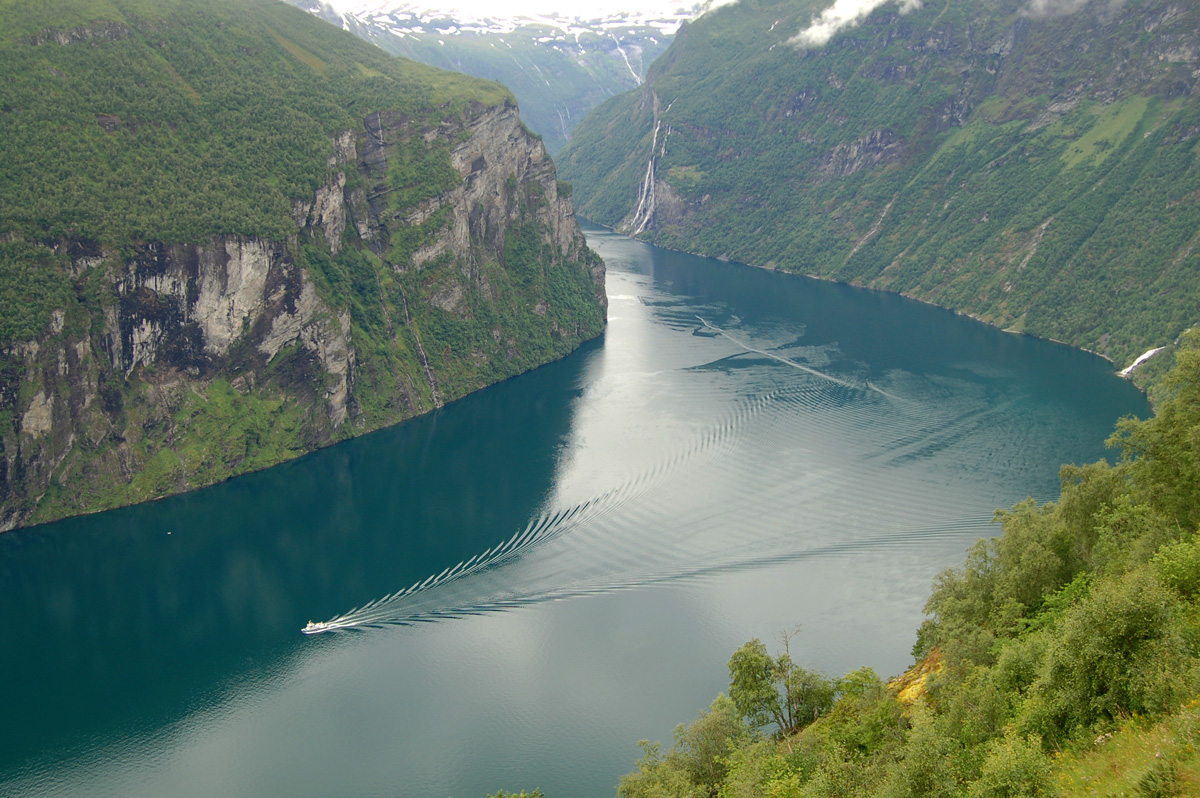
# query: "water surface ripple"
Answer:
x=549 y=570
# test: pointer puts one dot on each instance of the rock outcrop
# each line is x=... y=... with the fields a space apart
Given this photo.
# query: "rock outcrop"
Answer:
x=252 y=339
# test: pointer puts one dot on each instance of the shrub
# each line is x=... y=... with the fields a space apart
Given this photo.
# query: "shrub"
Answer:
x=1178 y=566
x=1118 y=651
x=1015 y=767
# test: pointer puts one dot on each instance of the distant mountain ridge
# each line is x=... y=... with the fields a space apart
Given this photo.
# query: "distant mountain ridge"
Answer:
x=558 y=65
x=1034 y=164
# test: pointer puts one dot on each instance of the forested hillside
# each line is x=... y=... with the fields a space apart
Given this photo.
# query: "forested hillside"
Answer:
x=1036 y=165
x=231 y=233
x=1063 y=659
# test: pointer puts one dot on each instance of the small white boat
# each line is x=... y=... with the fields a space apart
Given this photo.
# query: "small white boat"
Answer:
x=314 y=627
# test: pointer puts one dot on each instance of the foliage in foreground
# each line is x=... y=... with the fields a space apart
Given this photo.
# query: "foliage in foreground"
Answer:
x=1062 y=659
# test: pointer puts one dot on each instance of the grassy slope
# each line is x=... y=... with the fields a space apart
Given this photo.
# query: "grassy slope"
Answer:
x=1051 y=190
x=171 y=121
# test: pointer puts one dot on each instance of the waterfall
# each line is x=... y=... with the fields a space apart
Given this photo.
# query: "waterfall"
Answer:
x=621 y=50
x=645 y=207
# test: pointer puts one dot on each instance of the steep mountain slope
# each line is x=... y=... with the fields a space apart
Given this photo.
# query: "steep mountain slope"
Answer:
x=1034 y=164
x=230 y=234
x=558 y=66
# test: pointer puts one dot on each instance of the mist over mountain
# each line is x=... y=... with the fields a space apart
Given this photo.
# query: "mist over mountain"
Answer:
x=559 y=65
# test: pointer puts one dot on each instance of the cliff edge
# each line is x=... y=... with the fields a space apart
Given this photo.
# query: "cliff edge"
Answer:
x=230 y=234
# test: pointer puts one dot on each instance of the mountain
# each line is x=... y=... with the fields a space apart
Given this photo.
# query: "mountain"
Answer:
x=559 y=66
x=231 y=233
x=1035 y=164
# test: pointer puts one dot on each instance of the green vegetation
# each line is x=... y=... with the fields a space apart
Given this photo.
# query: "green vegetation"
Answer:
x=420 y=173
x=34 y=284
x=1063 y=659
x=156 y=129
x=145 y=139
x=767 y=689
x=208 y=438
x=1039 y=173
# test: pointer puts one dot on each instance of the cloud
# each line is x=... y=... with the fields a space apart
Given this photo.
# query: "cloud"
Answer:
x=1060 y=8
x=1054 y=8
x=848 y=13
x=712 y=5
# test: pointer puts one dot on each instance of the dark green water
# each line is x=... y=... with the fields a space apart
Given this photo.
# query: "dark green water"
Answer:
x=743 y=452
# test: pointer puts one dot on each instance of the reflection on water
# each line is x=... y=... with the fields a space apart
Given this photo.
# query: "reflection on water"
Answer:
x=656 y=526
x=744 y=451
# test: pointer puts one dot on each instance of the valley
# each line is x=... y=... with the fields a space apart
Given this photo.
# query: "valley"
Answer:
x=1037 y=171
x=856 y=276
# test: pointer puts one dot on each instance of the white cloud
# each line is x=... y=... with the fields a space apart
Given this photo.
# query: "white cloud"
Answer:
x=845 y=14
x=712 y=5
x=1054 y=8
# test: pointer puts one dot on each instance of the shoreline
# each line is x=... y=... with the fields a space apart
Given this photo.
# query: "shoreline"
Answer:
x=1125 y=373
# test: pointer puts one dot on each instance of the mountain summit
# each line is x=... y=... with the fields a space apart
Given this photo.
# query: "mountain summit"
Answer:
x=559 y=65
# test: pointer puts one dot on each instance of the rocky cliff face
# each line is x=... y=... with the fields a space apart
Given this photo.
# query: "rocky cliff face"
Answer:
x=495 y=154
x=180 y=364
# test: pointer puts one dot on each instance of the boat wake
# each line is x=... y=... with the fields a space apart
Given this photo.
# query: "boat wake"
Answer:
x=549 y=526
x=797 y=475
x=389 y=611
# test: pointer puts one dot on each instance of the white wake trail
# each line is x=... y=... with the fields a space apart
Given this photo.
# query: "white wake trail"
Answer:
x=738 y=557
x=654 y=526
x=789 y=362
x=552 y=525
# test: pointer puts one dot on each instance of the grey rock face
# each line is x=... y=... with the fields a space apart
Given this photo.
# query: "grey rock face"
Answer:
x=181 y=317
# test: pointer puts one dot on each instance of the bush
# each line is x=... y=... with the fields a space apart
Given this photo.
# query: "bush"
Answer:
x=1015 y=767
x=1178 y=566
x=1119 y=651
x=696 y=763
x=928 y=769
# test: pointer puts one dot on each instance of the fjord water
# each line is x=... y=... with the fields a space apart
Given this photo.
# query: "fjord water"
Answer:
x=743 y=452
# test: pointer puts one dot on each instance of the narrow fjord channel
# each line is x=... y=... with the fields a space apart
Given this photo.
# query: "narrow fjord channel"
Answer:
x=743 y=452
